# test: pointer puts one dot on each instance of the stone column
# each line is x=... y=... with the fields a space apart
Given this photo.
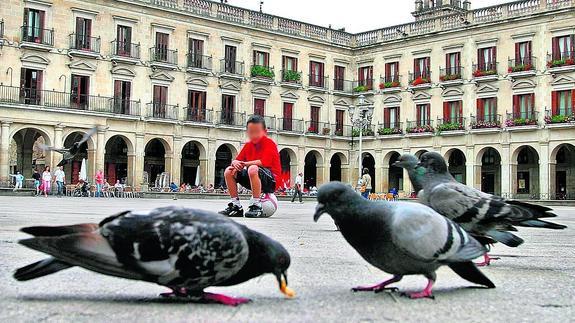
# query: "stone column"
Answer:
x=384 y=186
x=407 y=186
x=544 y=171
x=100 y=148
x=177 y=160
x=210 y=170
x=507 y=170
x=470 y=167
x=139 y=155
x=131 y=170
x=4 y=151
x=58 y=130
x=345 y=173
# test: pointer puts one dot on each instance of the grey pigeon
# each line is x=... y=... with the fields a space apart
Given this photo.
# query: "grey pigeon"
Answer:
x=479 y=213
x=401 y=238
x=186 y=250
x=416 y=174
x=69 y=153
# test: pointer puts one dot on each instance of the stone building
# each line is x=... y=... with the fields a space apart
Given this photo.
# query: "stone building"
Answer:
x=170 y=84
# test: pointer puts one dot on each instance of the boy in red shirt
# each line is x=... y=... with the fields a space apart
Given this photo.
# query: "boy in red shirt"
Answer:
x=257 y=167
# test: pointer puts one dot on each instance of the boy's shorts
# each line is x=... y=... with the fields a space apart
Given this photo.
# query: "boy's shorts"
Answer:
x=266 y=177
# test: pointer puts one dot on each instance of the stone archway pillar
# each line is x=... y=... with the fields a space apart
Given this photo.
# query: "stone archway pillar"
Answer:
x=345 y=173
x=470 y=166
x=211 y=167
x=383 y=183
x=98 y=159
x=177 y=161
x=508 y=172
x=553 y=179
x=204 y=173
x=4 y=150
x=131 y=169
x=139 y=154
x=544 y=183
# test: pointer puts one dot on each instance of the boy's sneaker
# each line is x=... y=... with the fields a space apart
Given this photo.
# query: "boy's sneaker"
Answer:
x=233 y=211
x=255 y=211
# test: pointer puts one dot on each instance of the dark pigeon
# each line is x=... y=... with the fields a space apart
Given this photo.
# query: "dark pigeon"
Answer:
x=69 y=153
x=416 y=174
x=401 y=238
x=186 y=250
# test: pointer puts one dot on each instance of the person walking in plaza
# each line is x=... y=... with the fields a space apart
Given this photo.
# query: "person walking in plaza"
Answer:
x=365 y=184
x=99 y=179
x=37 y=181
x=60 y=179
x=257 y=168
x=19 y=180
x=46 y=181
x=297 y=188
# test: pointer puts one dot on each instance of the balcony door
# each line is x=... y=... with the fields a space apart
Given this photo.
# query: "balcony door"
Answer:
x=423 y=114
x=228 y=109
x=314 y=120
x=83 y=33
x=122 y=95
x=33 y=30
x=316 y=71
x=196 y=106
x=564 y=47
x=392 y=72
x=487 y=109
x=159 y=101
x=259 y=107
x=339 y=117
x=523 y=106
x=30 y=86
x=339 y=76
x=487 y=57
x=196 y=53
x=124 y=41
x=162 y=44
x=365 y=76
x=523 y=53
x=261 y=58
x=391 y=117
x=288 y=116
x=453 y=63
x=79 y=92
x=452 y=111
x=422 y=67
x=230 y=59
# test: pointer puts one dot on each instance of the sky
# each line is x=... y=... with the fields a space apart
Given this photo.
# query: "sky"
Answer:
x=355 y=16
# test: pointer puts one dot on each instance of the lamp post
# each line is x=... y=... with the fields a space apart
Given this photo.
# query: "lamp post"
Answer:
x=360 y=117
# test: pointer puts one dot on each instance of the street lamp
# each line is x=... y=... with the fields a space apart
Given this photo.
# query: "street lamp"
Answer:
x=360 y=118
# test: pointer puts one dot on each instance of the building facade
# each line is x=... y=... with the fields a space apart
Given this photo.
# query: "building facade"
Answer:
x=170 y=83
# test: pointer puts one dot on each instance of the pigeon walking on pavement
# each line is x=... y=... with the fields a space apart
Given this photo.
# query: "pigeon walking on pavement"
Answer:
x=69 y=153
x=401 y=238
x=186 y=250
x=480 y=214
x=416 y=174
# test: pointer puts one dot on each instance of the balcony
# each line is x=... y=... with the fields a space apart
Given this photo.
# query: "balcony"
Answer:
x=451 y=126
x=420 y=80
x=291 y=79
x=318 y=83
x=451 y=75
x=560 y=119
x=65 y=100
x=85 y=46
x=271 y=123
x=37 y=38
x=485 y=72
x=368 y=131
x=125 y=52
x=342 y=87
x=161 y=57
x=200 y=64
x=363 y=86
x=523 y=67
x=522 y=121
x=162 y=111
x=317 y=128
x=199 y=115
x=391 y=83
x=561 y=62
x=341 y=130
x=232 y=69
x=390 y=129
x=262 y=74
x=486 y=123
x=290 y=125
x=421 y=128
x=231 y=119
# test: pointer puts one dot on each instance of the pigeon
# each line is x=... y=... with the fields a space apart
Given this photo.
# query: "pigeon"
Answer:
x=186 y=250
x=480 y=214
x=69 y=153
x=416 y=175
x=401 y=238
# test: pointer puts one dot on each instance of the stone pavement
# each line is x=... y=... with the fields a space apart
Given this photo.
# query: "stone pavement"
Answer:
x=535 y=282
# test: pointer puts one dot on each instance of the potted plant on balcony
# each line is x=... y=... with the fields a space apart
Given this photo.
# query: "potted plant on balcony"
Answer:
x=383 y=131
x=338 y=132
x=520 y=68
x=482 y=124
x=517 y=122
x=420 y=80
x=561 y=62
x=450 y=77
x=326 y=131
x=291 y=76
x=450 y=126
x=388 y=85
x=366 y=132
x=360 y=88
x=481 y=73
x=420 y=129
x=559 y=119
x=262 y=71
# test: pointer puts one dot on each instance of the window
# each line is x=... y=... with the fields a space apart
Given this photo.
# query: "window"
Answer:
x=230 y=59
x=261 y=58
x=563 y=103
x=79 y=91
x=196 y=106
x=487 y=59
x=33 y=25
x=338 y=83
x=228 y=109
x=124 y=41
x=523 y=53
x=422 y=67
x=259 y=107
x=30 y=86
x=316 y=70
x=523 y=106
x=159 y=102
x=122 y=93
x=314 y=117
x=452 y=112
x=563 y=47
x=423 y=112
x=339 y=116
x=392 y=72
x=288 y=116
x=161 y=50
x=365 y=77
x=453 y=63
x=83 y=38
x=196 y=53
x=391 y=117
x=487 y=109
x=289 y=63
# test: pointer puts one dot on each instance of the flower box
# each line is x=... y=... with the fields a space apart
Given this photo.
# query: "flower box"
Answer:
x=559 y=119
x=389 y=131
x=561 y=62
x=451 y=77
x=420 y=129
x=481 y=73
x=520 y=68
x=420 y=80
x=450 y=126
x=518 y=122
x=388 y=85
x=262 y=71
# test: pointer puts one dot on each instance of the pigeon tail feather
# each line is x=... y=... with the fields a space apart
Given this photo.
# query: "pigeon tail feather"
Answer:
x=541 y=224
x=468 y=271
x=507 y=238
x=41 y=268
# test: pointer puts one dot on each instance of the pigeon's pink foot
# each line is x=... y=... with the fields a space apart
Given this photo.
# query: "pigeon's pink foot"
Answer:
x=176 y=292
x=225 y=300
x=379 y=287
x=426 y=293
x=486 y=260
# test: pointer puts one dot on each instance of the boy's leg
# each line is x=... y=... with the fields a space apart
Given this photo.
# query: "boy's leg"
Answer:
x=261 y=180
x=234 y=208
x=255 y=181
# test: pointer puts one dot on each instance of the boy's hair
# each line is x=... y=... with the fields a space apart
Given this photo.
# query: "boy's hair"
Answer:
x=257 y=119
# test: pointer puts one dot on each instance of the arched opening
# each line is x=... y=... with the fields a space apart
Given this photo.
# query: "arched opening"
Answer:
x=565 y=173
x=223 y=160
x=25 y=152
x=369 y=163
x=289 y=167
x=335 y=168
x=116 y=162
x=420 y=152
x=527 y=173
x=190 y=169
x=456 y=162
x=395 y=176
x=154 y=159
x=310 y=170
x=72 y=169
x=490 y=170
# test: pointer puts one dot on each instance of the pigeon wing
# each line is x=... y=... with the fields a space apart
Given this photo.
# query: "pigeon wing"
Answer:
x=49 y=148
x=87 y=136
x=458 y=202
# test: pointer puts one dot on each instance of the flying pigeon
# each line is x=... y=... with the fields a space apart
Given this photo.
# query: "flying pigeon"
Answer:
x=479 y=213
x=186 y=250
x=401 y=238
x=69 y=153
x=416 y=175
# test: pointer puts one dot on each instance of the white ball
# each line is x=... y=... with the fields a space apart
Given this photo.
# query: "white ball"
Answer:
x=269 y=204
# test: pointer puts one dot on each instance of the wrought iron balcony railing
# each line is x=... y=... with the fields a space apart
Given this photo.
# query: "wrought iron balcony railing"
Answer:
x=231 y=67
x=363 y=86
x=228 y=118
x=523 y=118
x=561 y=59
x=37 y=35
x=489 y=121
x=560 y=116
x=390 y=82
x=390 y=128
x=341 y=130
x=200 y=115
x=318 y=81
x=522 y=65
x=164 y=55
x=420 y=78
x=485 y=69
x=159 y=110
x=261 y=71
x=450 y=124
x=198 y=61
x=291 y=77
x=420 y=126
x=85 y=43
x=271 y=122
x=343 y=86
x=317 y=128
x=125 y=49
x=290 y=125
x=451 y=73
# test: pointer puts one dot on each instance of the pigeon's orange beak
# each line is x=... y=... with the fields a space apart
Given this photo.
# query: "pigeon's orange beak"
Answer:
x=286 y=290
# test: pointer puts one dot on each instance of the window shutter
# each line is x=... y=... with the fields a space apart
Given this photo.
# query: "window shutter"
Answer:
x=88 y=29
x=41 y=16
x=554 y=105
x=26 y=14
x=418 y=114
x=386 y=117
x=267 y=59
x=460 y=103
x=428 y=114
x=416 y=71
x=22 y=77
x=532 y=108
x=446 y=112
x=516 y=108
x=572 y=46
x=118 y=89
x=480 y=109
x=518 y=54
x=480 y=59
x=255 y=55
x=493 y=58
x=529 y=53
x=447 y=62
x=555 y=48
x=78 y=27
x=573 y=102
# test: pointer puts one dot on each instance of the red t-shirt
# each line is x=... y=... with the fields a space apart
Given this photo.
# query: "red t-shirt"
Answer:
x=265 y=151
